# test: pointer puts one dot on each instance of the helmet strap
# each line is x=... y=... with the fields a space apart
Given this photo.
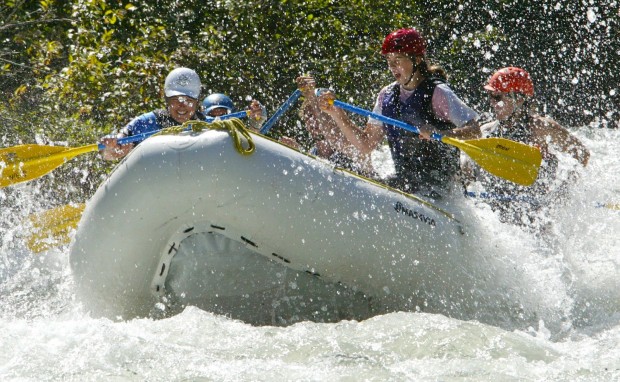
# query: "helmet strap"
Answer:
x=518 y=111
x=515 y=98
x=415 y=68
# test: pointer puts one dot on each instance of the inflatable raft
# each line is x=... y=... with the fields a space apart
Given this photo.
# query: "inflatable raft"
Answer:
x=186 y=219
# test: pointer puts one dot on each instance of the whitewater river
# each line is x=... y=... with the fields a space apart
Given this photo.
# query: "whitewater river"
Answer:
x=570 y=279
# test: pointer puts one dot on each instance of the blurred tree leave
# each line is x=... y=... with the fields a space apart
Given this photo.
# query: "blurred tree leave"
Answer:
x=73 y=70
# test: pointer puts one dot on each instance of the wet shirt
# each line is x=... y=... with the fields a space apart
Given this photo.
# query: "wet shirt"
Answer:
x=422 y=163
x=153 y=121
x=518 y=204
x=446 y=105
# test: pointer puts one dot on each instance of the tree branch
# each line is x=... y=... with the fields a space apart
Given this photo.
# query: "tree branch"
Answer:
x=16 y=25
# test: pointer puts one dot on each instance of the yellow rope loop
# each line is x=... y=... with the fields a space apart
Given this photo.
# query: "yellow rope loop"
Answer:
x=235 y=127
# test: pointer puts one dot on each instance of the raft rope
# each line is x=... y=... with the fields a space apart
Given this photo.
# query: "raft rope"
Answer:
x=235 y=127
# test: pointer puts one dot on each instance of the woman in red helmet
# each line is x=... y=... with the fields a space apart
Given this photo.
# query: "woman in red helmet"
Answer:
x=510 y=93
x=421 y=97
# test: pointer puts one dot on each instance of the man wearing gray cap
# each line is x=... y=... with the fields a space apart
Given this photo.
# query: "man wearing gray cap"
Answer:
x=182 y=90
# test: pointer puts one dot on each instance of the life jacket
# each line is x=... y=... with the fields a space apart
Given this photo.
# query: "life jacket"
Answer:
x=520 y=131
x=153 y=121
x=418 y=162
x=522 y=203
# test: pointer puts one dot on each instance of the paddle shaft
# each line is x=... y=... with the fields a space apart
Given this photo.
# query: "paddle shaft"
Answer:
x=281 y=110
x=513 y=161
x=510 y=198
x=143 y=136
x=383 y=118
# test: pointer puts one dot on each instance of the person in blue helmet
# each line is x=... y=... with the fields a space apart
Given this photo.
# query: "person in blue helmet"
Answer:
x=421 y=97
x=182 y=91
x=218 y=104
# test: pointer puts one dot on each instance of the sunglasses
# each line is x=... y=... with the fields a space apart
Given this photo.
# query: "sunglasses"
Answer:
x=188 y=101
x=496 y=97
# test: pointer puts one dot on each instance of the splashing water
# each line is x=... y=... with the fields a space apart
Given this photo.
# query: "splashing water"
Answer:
x=567 y=327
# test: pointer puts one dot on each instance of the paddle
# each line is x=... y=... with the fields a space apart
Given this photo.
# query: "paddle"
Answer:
x=51 y=228
x=281 y=110
x=514 y=161
x=26 y=162
x=54 y=225
x=510 y=198
x=611 y=206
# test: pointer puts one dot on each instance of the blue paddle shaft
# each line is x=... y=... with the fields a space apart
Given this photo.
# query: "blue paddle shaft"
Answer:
x=382 y=118
x=496 y=196
x=285 y=106
x=241 y=114
x=143 y=136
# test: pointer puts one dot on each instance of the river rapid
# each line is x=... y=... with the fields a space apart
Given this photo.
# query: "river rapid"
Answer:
x=570 y=277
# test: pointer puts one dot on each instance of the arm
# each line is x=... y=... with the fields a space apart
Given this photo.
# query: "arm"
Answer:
x=320 y=126
x=470 y=130
x=326 y=133
x=364 y=140
x=257 y=116
x=548 y=129
x=448 y=107
x=144 y=123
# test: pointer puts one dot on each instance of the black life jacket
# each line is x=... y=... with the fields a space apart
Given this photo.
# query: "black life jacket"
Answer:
x=520 y=131
x=418 y=162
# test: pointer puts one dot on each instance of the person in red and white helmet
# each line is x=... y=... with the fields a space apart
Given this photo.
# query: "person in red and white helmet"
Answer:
x=511 y=94
x=182 y=90
x=421 y=97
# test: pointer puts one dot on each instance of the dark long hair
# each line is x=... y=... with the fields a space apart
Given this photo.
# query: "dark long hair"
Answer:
x=429 y=69
x=432 y=70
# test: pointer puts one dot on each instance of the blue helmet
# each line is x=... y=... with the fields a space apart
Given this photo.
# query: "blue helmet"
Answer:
x=217 y=100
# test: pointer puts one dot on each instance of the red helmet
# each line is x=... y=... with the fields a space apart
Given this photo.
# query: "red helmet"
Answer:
x=511 y=79
x=404 y=41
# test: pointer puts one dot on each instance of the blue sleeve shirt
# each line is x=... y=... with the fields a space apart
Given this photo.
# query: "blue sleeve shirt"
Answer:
x=142 y=124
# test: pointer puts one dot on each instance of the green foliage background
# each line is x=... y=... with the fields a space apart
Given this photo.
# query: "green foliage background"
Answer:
x=74 y=70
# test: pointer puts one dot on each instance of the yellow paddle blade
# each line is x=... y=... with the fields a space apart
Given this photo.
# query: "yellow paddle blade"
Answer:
x=51 y=228
x=612 y=206
x=514 y=161
x=27 y=162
